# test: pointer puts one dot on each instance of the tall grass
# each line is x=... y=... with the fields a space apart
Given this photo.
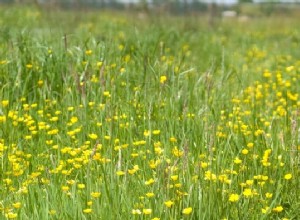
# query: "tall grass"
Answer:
x=107 y=116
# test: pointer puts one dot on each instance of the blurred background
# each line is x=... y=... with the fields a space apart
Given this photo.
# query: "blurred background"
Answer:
x=214 y=7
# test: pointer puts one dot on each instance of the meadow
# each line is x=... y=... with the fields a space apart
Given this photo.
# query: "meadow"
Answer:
x=106 y=115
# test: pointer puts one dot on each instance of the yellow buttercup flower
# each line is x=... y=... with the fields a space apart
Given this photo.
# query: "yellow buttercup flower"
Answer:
x=147 y=211
x=169 y=203
x=234 y=197
x=288 y=176
x=87 y=211
x=93 y=136
x=187 y=211
x=278 y=209
x=163 y=79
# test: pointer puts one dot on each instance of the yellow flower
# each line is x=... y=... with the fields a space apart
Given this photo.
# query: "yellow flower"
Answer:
x=249 y=182
x=93 y=136
x=169 y=203
x=120 y=173
x=150 y=194
x=268 y=195
x=176 y=152
x=87 y=211
x=81 y=186
x=290 y=68
x=156 y=132
x=234 y=197
x=250 y=145
x=74 y=119
x=173 y=139
x=65 y=188
x=288 y=176
x=247 y=192
x=11 y=215
x=149 y=182
x=95 y=194
x=155 y=218
x=40 y=83
x=29 y=66
x=163 y=79
x=99 y=64
x=106 y=93
x=5 y=103
x=52 y=212
x=187 y=211
x=146 y=133
x=265 y=210
x=174 y=177
x=278 y=209
x=88 y=52
x=17 y=205
x=245 y=151
x=136 y=212
x=147 y=211
x=237 y=160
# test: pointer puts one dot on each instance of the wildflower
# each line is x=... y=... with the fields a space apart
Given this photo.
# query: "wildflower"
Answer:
x=289 y=68
x=120 y=173
x=237 y=160
x=88 y=52
x=169 y=203
x=52 y=212
x=156 y=132
x=16 y=205
x=4 y=103
x=40 y=83
x=29 y=66
x=74 y=119
x=93 y=136
x=187 y=211
x=249 y=182
x=163 y=79
x=95 y=194
x=99 y=64
x=149 y=182
x=146 y=133
x=288 y=176
x=106 y=93
x=150 y=194
x=133 y=171
x=176 y=152
x=278 y=209
x=203 y=165
x=268 y=195
x=174 y=177
x=234 y=197
x=80 y=186
x=245 y=151
x=155 y=218
x=247 y=192
x=11 y=215
x=87 y=211
x=136 y=212
x=173 y=139
x=147 y=211
x=265 y=210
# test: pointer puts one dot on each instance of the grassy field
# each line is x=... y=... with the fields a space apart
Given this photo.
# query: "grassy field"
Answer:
x=106 y=115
